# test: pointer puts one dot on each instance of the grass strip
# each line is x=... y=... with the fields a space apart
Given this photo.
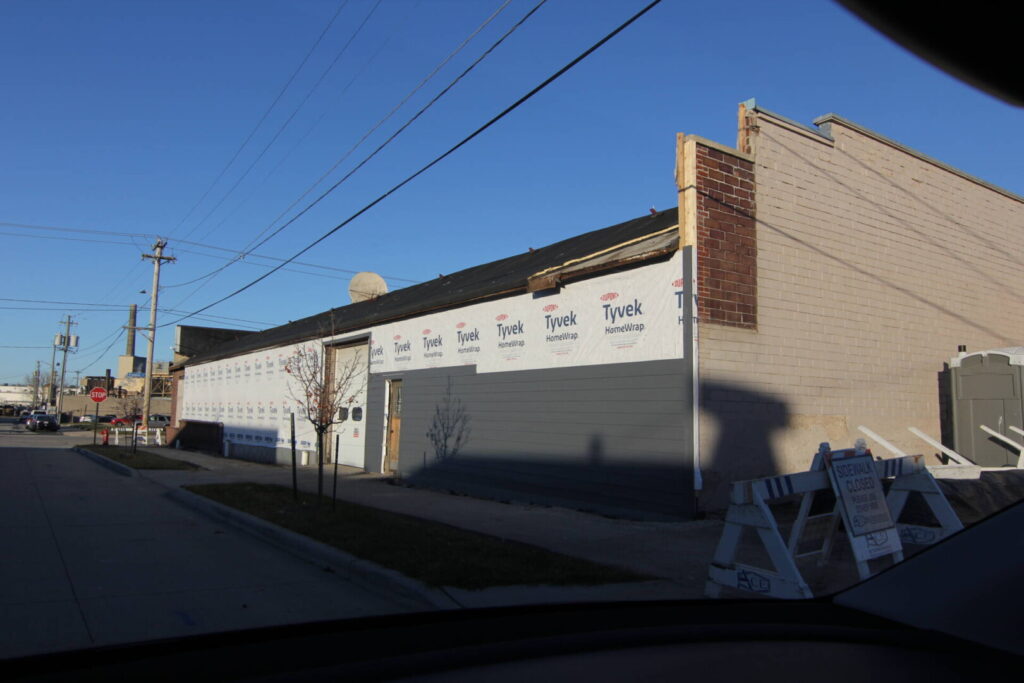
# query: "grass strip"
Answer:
x=140 y=459
x=434 y=553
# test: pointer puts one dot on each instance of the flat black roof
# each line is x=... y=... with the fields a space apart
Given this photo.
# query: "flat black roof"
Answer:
x=505 y=276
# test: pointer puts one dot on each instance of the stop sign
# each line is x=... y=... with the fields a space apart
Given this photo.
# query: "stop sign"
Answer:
x=99 y=394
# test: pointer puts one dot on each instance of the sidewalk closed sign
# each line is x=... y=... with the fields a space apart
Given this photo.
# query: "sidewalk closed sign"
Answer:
x=863 y=506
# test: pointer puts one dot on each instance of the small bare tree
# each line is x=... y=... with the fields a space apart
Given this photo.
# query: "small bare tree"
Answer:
x=131 y=404
x=322 y=387
x=450 y=428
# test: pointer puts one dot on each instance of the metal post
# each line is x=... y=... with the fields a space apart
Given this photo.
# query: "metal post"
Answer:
x=295 y=480
x=334 y=494
x=158 y=258
x=95 y=424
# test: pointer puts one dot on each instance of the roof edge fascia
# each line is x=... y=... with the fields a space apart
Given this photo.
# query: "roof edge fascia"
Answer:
x=829 y=119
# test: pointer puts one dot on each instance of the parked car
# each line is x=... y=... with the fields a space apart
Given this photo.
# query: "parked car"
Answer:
x=159 y=420
x=87 y=418
x=104 y=419
x=126 y=420
x=43 y=423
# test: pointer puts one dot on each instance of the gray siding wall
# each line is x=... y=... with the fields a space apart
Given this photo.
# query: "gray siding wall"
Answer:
x=613 y=439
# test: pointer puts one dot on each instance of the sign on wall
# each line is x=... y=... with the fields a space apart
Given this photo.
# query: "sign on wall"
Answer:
x=622 y=317
x=631 y=316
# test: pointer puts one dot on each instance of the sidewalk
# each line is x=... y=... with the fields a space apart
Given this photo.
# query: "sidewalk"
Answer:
x=678 y=553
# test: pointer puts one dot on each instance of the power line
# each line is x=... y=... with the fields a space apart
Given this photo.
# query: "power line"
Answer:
x=100 y=342
x=275 y=258
x=296 y=144
x=66 y=239
x=380 y=147
x=202 y=245
x=251 y=263
x=512 y=107
x=294 y=113
x=83 y=368
x=106 y=308
x=266 y=113
x=58 y=228
x=387 y=116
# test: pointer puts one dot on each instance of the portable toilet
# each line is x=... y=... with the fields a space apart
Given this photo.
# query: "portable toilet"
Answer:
x=986 y=390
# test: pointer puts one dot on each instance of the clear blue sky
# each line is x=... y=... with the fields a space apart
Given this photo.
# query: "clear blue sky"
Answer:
x=118 y=117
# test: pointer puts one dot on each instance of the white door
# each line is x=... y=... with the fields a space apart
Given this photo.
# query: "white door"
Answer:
x=351 y=361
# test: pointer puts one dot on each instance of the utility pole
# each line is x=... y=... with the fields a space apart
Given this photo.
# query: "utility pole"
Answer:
x=66 y=342
x=50 y=398
x=36 y=393
x=158 y=258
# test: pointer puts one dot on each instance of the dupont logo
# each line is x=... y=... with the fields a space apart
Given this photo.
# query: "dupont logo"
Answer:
x=610 y=296
x=427 y=331
x=677 y=283
x=501 y=317
x=550 y=307
x=397 y=337
x=459 y=326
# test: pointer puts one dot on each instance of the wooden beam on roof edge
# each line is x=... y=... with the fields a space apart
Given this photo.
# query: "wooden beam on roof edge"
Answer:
x=540 y=283
x=686 y=184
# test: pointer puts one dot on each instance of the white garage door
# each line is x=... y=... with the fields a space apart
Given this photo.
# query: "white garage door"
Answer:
x=352 y=361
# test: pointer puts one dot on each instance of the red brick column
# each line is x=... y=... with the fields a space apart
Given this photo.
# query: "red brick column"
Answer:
x=726 y=239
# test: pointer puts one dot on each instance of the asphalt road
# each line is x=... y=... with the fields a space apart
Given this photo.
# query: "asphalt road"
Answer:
x=93 y=558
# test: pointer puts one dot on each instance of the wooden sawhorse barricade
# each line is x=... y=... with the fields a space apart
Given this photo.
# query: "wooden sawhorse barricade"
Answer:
x=749 y=508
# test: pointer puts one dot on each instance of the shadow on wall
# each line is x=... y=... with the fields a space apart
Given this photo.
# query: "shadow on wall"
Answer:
x=600 y=474
x=746 y=422
x=201 y=436
x=642 y=487
x=944 y=380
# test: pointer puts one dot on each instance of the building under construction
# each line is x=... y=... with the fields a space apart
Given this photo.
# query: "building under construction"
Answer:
x=832 y=273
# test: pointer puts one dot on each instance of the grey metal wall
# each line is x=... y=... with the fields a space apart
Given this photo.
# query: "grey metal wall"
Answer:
x=613 y=439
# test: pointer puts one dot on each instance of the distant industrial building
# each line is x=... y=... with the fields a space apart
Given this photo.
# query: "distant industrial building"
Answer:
x=18 y=394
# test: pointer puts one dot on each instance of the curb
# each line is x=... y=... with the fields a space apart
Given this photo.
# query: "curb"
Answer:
x=404 y=590
x=117 y=467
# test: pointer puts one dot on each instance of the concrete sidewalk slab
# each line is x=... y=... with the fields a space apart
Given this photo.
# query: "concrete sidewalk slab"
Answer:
x=677 y=552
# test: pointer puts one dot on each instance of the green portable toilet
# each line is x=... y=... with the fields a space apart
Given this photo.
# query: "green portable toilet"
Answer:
x=986 y=390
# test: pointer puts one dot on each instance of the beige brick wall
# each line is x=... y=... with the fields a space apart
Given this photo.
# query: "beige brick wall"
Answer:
x=873 y=265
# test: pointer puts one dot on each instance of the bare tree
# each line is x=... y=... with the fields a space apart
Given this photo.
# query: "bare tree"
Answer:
x=322 y=386
x=32 y=380
x=131 y=404
x=450 y=428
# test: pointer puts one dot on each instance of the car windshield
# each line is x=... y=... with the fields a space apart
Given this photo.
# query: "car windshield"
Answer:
x=476 y=304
